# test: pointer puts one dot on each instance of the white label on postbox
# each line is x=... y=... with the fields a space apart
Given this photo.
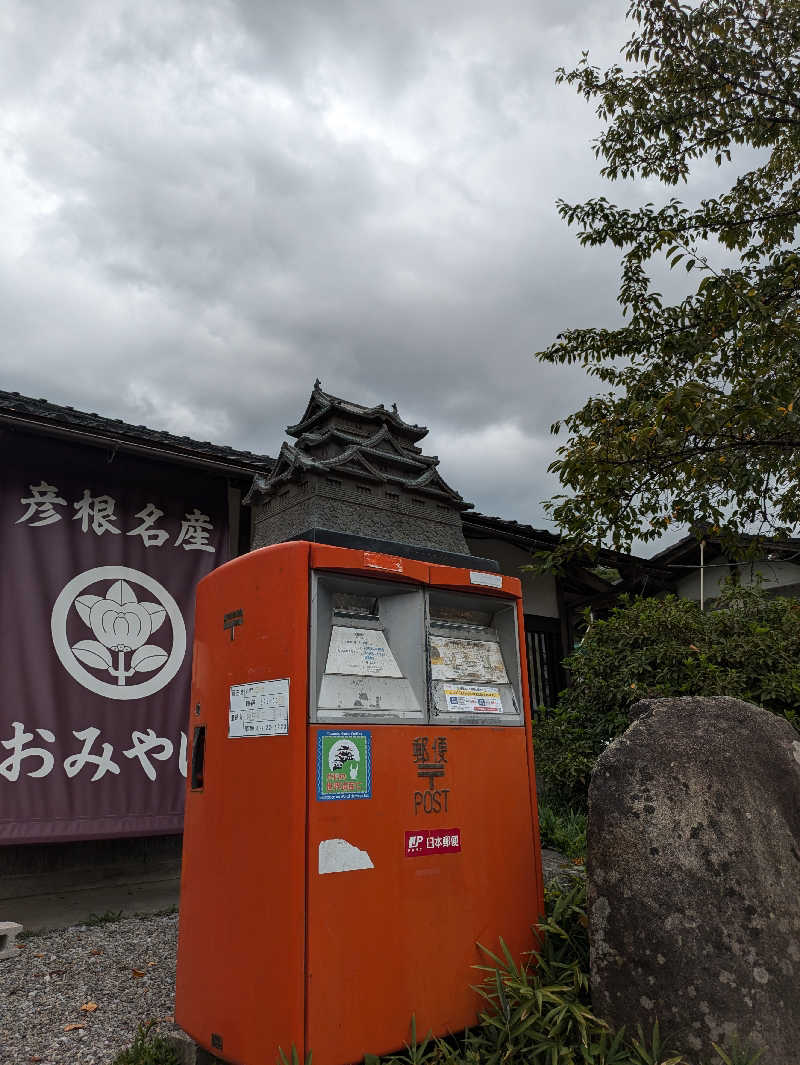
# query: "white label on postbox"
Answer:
x=489 y=580
x=259 y=709
x=471 y=699
x=360 y=653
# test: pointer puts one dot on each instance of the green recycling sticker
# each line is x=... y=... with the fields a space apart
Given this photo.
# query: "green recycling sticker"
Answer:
x=344 y=764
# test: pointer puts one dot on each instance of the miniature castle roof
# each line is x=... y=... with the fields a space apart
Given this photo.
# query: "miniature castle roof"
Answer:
x=322 y=406
x=336 y=438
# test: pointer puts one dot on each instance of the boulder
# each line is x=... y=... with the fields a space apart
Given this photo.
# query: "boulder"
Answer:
x=694 y=877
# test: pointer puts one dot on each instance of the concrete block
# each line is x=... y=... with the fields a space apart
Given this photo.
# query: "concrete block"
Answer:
x=183 y=1046
x=187 y=1051
x=9 y=930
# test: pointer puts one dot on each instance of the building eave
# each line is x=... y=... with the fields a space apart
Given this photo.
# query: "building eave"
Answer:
x=20 y=413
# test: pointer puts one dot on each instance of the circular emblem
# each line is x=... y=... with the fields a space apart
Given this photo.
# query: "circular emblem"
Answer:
x=105 y=638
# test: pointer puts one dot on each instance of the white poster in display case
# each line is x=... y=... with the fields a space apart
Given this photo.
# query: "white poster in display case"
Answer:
x=360 y=653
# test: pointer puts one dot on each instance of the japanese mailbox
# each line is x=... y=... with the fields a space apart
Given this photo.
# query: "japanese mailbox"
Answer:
x=361 y=807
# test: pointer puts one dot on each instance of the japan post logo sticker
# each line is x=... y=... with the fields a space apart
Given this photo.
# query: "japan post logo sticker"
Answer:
x=422 y=841
x=132 y=637
x=344 y=764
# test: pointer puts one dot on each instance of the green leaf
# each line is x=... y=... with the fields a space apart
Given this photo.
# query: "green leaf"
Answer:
x=626 y=459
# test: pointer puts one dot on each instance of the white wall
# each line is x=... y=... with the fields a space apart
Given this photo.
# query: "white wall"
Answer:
x=538 y=592
x=773 y=575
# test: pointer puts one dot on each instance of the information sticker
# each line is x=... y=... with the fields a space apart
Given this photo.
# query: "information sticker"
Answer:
x=259 y=709
x=344 y=764
x=470 y=699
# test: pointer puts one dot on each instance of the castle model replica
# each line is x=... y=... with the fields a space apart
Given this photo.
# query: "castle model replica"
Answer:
x=356 y=472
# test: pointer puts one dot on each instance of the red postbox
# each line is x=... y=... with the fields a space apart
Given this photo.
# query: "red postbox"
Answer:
x=361 y=805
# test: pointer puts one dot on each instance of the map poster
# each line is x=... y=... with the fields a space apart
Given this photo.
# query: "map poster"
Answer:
x=476 y=661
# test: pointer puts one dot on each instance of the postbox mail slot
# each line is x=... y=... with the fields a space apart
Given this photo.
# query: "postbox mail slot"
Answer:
x=367 y=642
x=474 y=660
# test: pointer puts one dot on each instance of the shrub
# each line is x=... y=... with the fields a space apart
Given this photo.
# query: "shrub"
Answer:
x=542 y=1012
x=148 y=1048
x=562 y=828
x=748 y=646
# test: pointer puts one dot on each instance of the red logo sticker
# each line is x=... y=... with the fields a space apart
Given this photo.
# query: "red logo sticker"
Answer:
x=433 y=841
x=388 y=562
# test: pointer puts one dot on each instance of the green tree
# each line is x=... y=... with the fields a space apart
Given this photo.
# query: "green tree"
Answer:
x=700 y=423
x=748 y=647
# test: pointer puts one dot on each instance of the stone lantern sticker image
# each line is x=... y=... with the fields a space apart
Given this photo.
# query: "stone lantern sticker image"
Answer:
x=118 y=656
x=344 y=764
x=345 y=756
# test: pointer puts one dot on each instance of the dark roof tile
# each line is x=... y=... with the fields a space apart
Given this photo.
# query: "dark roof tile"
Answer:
x=41 y=414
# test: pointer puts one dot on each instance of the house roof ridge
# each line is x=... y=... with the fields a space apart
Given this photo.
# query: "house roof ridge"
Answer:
x=15 y=406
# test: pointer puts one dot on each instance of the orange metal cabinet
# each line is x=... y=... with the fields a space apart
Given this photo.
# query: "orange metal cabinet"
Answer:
x=360 y=802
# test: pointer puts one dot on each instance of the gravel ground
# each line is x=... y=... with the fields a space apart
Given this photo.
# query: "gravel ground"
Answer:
x=77 y=995
x=556 y=866
x=125 y=969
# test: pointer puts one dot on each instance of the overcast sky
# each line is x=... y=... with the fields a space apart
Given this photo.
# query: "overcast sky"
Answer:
x=206 y=205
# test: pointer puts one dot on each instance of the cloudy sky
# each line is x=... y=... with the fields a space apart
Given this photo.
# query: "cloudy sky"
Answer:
x=206 y=205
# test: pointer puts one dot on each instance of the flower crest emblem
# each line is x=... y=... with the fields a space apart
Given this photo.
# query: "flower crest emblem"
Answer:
x=120 y=624
x=123 y=628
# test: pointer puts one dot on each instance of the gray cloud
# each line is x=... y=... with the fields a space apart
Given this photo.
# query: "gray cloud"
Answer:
x=209 y=204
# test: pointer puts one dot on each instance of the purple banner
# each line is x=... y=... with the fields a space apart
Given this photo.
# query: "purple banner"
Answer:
x=101 y=554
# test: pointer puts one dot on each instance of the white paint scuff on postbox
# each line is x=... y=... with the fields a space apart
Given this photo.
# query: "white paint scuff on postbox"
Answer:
x=339 y=856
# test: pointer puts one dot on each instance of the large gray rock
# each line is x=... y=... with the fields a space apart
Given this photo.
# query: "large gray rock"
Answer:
x=694 y=876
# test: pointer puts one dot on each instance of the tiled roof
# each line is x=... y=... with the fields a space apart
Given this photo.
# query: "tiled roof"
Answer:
x=687 y=548
x=668 y=555
x=488 y=525
x=484 y=525
x=39 y=414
